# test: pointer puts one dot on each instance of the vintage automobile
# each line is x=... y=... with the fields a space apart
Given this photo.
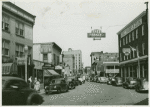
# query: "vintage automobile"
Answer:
x=103 y=80
x=77 y=82
x=15 y=91
x=57 y=85
x=95 y=78
x=71 y=82
x=109 y=81
x=141 y=85
x=118 y=81
x=129 y=83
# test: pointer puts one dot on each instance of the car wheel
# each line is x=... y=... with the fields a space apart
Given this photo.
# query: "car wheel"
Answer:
x=59 y=90
x=35 y=99
x=137 y=89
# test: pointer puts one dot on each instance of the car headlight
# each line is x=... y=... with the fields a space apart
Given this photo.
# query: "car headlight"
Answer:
x=55 y=86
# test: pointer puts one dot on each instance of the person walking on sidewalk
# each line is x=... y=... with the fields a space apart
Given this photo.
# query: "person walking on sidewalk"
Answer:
x=30 y=81
x=37 y=85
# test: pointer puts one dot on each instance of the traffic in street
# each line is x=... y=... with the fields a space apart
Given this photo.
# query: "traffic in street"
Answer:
x=92 y=93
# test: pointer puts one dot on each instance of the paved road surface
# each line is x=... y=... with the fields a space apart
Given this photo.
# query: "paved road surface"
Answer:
x=92 y=93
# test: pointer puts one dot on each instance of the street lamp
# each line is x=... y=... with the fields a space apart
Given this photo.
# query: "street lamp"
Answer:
x=26 y=53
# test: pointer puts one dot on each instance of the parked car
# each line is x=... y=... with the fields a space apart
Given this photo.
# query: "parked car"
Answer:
x=129 y=83
x=71 y=82
x=77 y=82
x=81 y=80
x=103 y=80
x=118 y=81
x=141 y=85
x=96 y=78
x=15 y=91
x=109 y=81
x=57 y=85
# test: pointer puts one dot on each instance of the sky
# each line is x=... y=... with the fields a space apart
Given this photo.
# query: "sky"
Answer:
x=67 y=22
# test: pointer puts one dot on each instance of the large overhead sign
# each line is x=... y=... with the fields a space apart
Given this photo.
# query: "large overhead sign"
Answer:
x=96 y=34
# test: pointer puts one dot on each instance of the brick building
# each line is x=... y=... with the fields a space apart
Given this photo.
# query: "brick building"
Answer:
x=135 y=37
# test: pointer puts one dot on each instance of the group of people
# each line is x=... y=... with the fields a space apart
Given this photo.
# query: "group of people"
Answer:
x=34 y=83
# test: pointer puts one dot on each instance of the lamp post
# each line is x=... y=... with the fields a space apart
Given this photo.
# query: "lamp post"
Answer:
x=26 y=53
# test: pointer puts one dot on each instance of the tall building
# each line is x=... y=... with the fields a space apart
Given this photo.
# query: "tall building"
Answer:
x=78 y=58
x=134 y=36
x=68 y=61
x=17 y=32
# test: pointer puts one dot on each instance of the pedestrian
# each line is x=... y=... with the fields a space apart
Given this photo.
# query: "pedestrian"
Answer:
x=37 y=85
x=30 y=81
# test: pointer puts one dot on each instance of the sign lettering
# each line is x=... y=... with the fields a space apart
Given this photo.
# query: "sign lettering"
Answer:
x=132 y=27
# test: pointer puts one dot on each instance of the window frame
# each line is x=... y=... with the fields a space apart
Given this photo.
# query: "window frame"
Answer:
x=4 y=48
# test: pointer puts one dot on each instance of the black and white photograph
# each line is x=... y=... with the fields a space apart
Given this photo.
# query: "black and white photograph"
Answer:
x=74 y=53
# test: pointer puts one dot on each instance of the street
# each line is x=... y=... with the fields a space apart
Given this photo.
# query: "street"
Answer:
x=92 y=93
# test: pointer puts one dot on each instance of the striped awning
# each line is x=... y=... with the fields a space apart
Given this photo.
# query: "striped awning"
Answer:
x=48 y=72
x=9 y=68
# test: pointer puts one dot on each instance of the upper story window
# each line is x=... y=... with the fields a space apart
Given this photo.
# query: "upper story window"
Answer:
x=5 y=47
x=133 y=35
x=124 y=57
x=143 y=48
x=126 y=39
x=19 y=50
x=123 y=41
x=45 y=57
x=136 y=33
x=142 y=30
x=120 y=43
x=5 y=23
x=133 y=54
x=19 y=29
x=129 y=37
x=137 y=49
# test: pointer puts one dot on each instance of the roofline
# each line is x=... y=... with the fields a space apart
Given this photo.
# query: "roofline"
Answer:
x=140 y=15
x=48 y=43
x=19 y=8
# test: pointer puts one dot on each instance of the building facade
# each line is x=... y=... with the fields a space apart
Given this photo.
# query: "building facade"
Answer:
x=17 y=32
x=134 y=36
x=78 y=58
x=68 y=61
x=99 y=58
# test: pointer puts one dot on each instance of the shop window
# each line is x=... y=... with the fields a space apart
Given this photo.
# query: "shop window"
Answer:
x=19 y=29
x=136 y=33
x=143 y=48
x=19 y=50
x=5 y=23
x=5 y=47
x=142 y=30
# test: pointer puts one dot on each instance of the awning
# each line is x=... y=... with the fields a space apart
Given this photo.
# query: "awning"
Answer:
x=48 y=72
x=9 y=68
x=58 y=67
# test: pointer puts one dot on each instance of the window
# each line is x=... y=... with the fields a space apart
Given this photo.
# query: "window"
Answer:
x=19 y=29
x=133 y=54
x=137 y=49
x=127 y=57
x=120 y=43
x=142 y=30
x=124 y=57
x=133 y=35
x=130 y=38
x=5 y=23
x=143 y=48
x=19 y=50
x=123 y=41
x=136 y=33
x=45 y=57
x=5 y=47
x=126 y=39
